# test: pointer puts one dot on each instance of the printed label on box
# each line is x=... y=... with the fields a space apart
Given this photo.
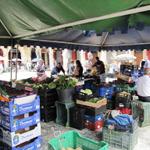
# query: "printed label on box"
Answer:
x=13 y=139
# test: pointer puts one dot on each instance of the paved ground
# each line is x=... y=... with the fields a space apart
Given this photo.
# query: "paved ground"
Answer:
x=22 y=74
x=48 y=133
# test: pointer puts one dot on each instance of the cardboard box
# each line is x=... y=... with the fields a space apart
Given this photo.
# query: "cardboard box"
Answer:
x=34 y=144
x=21 y=105
x=94 y=105
x=19 y=137
x=20 y=122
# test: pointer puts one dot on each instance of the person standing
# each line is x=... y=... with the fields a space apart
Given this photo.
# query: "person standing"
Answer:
x=78 y=72
x=40 y=68
x=100 y=68
x=143 y=84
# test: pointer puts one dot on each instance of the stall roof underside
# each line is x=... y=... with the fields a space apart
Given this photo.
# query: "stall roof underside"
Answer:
x=59 y=20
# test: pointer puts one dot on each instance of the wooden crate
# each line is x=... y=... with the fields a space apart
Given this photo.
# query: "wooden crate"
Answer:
x=94 y=105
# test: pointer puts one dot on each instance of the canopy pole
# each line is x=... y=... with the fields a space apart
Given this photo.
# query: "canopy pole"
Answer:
x=16 y=62
x=104 y=39
x=82 y=44
x=5 y=28
x=113 y=15
x=11 y=65
x=5 y=37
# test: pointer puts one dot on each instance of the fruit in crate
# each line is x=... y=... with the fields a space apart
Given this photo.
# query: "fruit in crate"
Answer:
x=94 y=100
x=86 y=91
x=124 y=94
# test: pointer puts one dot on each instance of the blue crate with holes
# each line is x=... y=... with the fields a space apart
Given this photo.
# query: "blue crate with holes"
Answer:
x=93 y=119
x=20 y=122
x=106 y=92
x=88 y=84
x=20 y=105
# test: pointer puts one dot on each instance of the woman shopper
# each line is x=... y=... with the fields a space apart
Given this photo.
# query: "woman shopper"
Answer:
x=78 y=72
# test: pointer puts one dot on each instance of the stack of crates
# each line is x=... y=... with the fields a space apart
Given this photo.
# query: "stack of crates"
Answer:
x=77 y=117
x=20 y=123
x=94 y=123
x=93 y=114
x=120 y=140
x=47 y=105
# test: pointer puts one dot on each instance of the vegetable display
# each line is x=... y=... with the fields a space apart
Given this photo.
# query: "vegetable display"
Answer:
x=94 y=100
x=87 y=91
x=64 y=82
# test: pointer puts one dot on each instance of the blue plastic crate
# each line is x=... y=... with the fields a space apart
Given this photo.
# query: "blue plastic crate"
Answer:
x=79 y=88
x=13 y=124
x=88 y=84
x=34 y=144
x=21 y=105
x=106 y=92
x=93 y=119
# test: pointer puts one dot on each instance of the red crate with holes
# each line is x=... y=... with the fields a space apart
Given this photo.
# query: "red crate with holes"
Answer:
x=96 y=126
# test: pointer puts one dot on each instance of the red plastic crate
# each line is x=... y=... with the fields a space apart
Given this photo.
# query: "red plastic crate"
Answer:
x=125 y=110
x=97 y=126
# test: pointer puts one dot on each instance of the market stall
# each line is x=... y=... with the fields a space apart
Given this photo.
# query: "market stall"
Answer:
x=79 y=100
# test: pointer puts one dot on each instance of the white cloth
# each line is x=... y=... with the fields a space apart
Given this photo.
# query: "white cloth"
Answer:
x=88 y=64
x=90 y=56
x=71 y=69
x=147 y=64
x=143 y=86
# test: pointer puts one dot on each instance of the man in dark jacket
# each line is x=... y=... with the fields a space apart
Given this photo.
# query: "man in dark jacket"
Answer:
x=100 y=68
x=57 y=69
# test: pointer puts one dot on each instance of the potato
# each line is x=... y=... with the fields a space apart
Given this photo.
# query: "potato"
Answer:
x=69 y=148
x=79 y=148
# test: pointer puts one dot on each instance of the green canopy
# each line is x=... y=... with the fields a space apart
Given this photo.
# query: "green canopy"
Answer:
x=19 y=17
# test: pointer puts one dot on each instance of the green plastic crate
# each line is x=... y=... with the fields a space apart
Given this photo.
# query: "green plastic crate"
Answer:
x=126 y=88
x=73 y=139
x=146 y=112
x=120 y=140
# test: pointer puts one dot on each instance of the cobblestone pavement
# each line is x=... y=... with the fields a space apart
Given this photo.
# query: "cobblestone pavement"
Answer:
x=49 y=128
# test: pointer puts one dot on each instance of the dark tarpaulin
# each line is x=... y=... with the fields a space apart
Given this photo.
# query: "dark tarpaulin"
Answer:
x=26 y=16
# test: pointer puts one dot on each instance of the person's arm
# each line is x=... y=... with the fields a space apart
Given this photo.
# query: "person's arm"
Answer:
x=76 y=72
x=94 y=65
x=62 y=69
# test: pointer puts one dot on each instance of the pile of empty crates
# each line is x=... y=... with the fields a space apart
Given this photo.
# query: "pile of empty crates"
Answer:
x=20 y=123
x=47 y=104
